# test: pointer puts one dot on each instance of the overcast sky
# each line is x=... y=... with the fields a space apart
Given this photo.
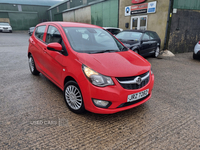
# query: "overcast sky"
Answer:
x=33 y=2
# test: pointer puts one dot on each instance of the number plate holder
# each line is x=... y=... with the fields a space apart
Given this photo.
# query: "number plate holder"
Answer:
x=136 y=96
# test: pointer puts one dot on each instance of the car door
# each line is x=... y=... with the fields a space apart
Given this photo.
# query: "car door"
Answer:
x=37 y=45
x=153 y=41
x=145 y=44
x=53 y=59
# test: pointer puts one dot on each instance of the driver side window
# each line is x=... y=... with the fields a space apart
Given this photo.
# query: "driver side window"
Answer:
x=53 y=35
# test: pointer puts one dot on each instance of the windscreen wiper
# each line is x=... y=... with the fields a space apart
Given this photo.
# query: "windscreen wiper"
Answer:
x=104 y=51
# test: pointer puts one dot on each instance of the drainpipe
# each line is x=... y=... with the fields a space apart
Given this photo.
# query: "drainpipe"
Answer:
x=167 y=27
x=50 y=15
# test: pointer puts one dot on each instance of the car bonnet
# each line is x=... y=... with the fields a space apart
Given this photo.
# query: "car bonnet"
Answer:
x=116 y=64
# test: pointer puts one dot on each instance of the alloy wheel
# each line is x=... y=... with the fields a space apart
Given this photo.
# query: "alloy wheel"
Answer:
x=73 y=97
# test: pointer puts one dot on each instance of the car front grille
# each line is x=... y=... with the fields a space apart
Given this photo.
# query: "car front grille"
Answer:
x=131 y=83
x=5 y=28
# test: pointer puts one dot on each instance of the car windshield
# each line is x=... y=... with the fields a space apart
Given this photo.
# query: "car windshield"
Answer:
x=4 y=24
x=92 y=40
x=126 y=35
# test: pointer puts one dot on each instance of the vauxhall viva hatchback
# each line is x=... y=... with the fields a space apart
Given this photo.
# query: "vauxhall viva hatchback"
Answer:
x=95 y=70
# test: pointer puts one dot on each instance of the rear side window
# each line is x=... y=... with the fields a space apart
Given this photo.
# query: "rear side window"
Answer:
x=145 y=36
x=153 y=35
x=53 y=35
x=39 y=32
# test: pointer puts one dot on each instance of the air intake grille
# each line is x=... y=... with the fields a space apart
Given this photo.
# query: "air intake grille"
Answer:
x=130 y=83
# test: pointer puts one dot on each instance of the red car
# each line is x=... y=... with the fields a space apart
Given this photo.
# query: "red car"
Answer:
x=95 y=70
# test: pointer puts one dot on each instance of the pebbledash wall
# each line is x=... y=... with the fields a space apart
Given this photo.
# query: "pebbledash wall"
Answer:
x=148 y=15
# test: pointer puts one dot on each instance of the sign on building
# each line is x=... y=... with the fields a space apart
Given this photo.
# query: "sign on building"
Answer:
x=141 y=8
x=138 y=1
x=138 y=9
x=128 y=11
x=152 y=7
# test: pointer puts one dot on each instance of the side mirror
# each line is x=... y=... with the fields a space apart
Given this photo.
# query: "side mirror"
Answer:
x=54 y=47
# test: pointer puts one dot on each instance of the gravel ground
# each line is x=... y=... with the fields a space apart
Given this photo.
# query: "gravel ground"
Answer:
x=33 y=114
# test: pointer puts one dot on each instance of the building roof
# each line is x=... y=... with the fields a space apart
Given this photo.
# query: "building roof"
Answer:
x=33 y=2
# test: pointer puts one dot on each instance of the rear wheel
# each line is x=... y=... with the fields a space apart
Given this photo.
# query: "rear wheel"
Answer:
x=195 y=56
x=32 y=67
x=73 y=97
x=157 y=52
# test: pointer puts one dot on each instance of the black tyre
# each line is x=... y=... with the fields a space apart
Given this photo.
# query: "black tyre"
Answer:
x=73 y=97
x=32 y=67
x=195 y=56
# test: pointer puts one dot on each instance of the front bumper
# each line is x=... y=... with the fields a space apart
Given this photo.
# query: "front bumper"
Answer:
x=116 y=94
x=5 y=30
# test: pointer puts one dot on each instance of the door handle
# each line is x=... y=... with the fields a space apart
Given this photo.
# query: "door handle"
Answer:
x=44 y=50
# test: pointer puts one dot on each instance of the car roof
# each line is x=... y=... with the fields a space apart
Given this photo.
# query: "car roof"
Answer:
x=142 y=31
x=70 y=24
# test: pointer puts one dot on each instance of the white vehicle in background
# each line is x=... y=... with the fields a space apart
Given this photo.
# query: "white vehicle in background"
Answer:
x=113 y=30
x=5 y=27
x=196 y=53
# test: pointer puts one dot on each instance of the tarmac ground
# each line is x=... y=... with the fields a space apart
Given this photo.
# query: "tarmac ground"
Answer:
x=33 y=113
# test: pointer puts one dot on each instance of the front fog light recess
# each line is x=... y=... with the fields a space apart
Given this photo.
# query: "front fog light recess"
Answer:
x=101 y=103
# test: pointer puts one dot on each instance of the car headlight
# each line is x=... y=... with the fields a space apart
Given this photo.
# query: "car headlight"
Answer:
x=95 y=78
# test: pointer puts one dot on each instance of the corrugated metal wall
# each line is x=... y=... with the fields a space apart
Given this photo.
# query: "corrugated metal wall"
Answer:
x=4 y=15
x=41 y=10
x=22 y=21
x=58 y=17
x=187 y=4
x=10 y=7
x=75 y=3
x=105 y=14
x=30 y=15
x=64 y=6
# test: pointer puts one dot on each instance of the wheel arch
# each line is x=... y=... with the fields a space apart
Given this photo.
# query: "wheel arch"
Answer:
x=29 y=54
x=135 y=48
x=69 y=78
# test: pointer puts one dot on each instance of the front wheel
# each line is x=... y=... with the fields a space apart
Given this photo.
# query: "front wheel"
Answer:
x=73 y=97
x=32 y=67
x=136 y=51
x=157 y=52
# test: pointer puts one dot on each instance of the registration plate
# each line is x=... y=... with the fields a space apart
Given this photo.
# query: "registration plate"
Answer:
x=136 y=96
